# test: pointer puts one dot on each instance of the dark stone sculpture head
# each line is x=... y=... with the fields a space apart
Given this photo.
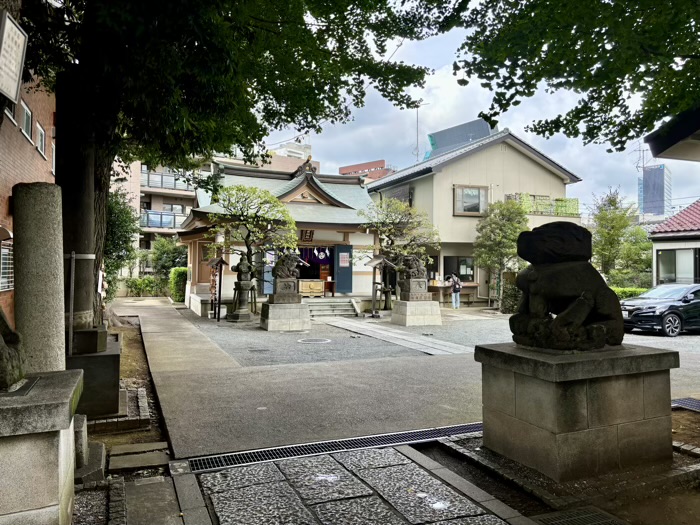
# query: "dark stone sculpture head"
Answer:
x=11 y=355
x=286 y=267
x=566 y=304
x=412 y=267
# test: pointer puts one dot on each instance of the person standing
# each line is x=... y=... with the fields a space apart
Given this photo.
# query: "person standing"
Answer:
x=456 y=284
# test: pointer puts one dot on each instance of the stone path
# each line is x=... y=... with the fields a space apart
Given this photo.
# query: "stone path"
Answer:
x=389 y=486
x=389 y=334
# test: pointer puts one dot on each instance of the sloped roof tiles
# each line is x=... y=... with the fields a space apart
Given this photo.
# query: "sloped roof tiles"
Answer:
x=687 y=220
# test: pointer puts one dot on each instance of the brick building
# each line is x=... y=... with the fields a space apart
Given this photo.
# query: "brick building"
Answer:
x=373 y=170
x=27 y=154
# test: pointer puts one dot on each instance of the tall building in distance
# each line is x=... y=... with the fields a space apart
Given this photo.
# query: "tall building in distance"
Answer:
x=373 y=170
x=654 y=189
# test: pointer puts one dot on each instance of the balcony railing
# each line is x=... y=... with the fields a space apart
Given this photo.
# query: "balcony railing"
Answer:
x=164 y=180
x=545 y=205
x=158 y=219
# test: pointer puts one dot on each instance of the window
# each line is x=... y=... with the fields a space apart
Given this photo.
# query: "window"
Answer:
x=676 y=266
x=7 y=271
x=41 y=140
x=10 y=110
x=462 y=266
x=175 y=208
x=26 y=121
x=470 y=200
x=144 y=168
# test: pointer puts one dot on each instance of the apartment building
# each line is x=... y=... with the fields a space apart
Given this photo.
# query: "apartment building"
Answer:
x=27 y=154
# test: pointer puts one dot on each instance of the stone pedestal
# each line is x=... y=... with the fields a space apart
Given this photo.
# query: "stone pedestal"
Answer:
x=575 y=415
x=37 y=455
x=38 y=254
x=415 y=290
x=101 y=379
x=278 y=317
x=416 y=313
x=241 y=312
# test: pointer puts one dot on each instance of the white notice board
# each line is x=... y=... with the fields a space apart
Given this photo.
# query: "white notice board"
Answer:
x=13 y=46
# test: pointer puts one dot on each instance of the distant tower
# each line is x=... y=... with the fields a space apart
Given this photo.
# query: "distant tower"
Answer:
x=654 y=190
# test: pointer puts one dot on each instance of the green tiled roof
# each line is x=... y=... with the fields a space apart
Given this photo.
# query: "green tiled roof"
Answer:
x=352 y=195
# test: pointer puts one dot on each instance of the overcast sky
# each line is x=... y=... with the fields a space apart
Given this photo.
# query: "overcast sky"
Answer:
x=381 y=131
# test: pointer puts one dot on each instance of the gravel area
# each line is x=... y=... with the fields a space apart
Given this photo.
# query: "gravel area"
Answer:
x=249 y=345
x=90 y=507
x=593 y=486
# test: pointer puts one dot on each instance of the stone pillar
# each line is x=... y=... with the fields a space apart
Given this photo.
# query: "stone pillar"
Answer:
x=242 y=311
x=75 y=174
x=38 y=262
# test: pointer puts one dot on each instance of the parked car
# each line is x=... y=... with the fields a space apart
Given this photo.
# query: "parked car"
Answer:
x=666 y=307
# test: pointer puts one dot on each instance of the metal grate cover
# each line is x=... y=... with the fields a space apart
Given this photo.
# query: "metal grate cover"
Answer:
x=580 y=516
x=313 y=340
x=688 y=403
x=209 y=463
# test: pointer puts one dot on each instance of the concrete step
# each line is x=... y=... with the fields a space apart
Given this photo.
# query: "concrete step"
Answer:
x=152 y=501
x=158 y=458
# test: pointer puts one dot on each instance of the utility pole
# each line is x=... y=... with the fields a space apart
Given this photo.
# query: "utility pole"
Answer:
x=417 y=150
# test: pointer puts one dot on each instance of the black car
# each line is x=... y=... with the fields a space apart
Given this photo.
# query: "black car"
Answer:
x=667 y=307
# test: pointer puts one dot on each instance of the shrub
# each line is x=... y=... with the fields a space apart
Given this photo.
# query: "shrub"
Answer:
x=626 y=293
x=178 y=281
x=144 y=286
x=511 y=295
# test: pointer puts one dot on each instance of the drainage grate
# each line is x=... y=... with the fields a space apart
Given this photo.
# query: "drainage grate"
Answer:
x=312 y=341
x=221 y=461
x=580 y=516
x=687 y=402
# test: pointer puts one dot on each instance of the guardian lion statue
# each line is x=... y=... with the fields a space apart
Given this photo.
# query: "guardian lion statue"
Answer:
x=566 y=304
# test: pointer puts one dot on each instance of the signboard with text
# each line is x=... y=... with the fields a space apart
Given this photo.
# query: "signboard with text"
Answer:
x=13 y=46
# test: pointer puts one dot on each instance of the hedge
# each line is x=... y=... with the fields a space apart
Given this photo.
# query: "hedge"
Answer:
x=178 y=282
x=147 y=286
x=626 y=293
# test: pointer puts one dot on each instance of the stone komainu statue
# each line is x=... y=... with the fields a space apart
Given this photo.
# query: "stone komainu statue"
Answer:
x=566 y=304
x=243 y=270
x=11 y=355
x=286 y=267
x=412 y=268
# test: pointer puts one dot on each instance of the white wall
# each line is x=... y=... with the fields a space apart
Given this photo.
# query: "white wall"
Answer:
x=501 y=168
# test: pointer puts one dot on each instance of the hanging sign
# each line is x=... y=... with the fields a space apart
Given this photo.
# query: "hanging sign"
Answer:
x=13 y=46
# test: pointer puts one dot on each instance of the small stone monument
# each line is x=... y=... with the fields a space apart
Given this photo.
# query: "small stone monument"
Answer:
x=243 y=284
x=11 y=356
x=567 y=398
x=284 y=309
x=416 y=306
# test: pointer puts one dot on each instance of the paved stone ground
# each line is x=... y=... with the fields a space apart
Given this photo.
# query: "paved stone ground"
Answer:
x=364 y=487
x=230 y=387
x=253 y=346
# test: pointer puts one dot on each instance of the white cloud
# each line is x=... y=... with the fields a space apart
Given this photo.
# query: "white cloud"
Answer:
x=381 y=131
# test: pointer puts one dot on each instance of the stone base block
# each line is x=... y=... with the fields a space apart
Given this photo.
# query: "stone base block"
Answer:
x=284 y=298
x=37 y=448
x=82 y=454
x=94 y=469
x=416 y=296
x=416 y=313
x=89 y=341
x=101 y=386
x=577 y=415
x=239 y=316
x=285 y=317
